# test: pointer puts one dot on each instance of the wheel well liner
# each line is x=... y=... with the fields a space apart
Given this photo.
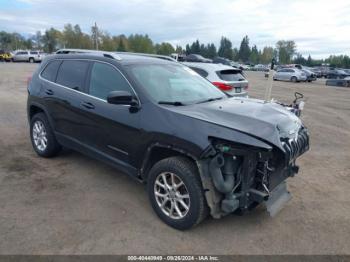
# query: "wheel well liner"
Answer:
x=34 y=110
x=157 y=152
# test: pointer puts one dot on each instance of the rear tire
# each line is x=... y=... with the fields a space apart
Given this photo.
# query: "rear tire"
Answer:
x=42 y=136
x=294 y=79
x=166 y=195
x=31 y=60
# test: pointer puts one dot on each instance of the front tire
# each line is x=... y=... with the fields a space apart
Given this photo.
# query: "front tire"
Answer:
x=176 y=193
x=42 y=136
x=294 y=79
x=31 y=60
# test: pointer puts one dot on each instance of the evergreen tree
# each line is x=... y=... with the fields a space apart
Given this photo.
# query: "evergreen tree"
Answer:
x=244 y=50
x=299 y=59
x=188 y=49
x=121 y=46
x=254 y=55
x=195 y=47
x=211 y=51
x=309 y=61
x=225 y=49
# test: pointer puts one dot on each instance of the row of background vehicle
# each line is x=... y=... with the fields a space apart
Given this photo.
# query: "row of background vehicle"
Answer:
x=312 y=73
x=30 y=56
x=226 y=74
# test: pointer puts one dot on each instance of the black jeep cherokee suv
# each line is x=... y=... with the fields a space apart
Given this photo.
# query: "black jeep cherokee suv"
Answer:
x=198 y=150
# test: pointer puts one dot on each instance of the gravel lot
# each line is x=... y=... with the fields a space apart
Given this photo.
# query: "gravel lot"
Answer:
x=75 y=205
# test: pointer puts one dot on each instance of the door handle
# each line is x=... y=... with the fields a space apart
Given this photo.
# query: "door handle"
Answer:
x=49 y=92
x=88 y=105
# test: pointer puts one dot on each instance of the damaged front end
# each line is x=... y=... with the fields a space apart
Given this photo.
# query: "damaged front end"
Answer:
x=237 y=178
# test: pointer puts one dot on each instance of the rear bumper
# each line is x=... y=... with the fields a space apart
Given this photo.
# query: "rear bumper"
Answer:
x=241 y=94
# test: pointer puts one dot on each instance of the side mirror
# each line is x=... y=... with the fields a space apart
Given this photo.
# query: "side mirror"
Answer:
x=121 y=98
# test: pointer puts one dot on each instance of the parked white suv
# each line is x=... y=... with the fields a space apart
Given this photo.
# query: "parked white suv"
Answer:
x=226 y=78
x=290 y=74
x=28 y=56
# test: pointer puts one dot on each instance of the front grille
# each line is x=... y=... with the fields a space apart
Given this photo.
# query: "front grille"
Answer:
x=296 y=147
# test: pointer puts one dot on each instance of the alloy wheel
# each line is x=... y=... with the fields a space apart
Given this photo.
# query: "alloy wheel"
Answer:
x=172 y=195
x=39 y=135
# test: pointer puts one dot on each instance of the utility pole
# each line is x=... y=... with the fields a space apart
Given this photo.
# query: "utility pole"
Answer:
x=268 y=89
x=95 y=35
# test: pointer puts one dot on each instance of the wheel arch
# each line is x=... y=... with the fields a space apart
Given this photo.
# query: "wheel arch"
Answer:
x=157 y=152
x=35 y=108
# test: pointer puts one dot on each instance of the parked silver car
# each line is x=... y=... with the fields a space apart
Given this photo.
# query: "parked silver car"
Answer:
x=310 y=75
x=226 y=78
x=290 y=74
x=28 y=56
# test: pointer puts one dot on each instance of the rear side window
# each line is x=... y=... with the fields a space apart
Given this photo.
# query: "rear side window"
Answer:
x=50 y=71
x=72 y=74
x=199 y=71
x=105 y=79
x=33 y=52
x=230 y=75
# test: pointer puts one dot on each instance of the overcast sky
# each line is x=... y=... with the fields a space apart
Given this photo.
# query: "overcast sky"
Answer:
x=319 y=27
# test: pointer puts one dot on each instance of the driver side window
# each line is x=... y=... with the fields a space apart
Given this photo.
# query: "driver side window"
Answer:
x=105 y=79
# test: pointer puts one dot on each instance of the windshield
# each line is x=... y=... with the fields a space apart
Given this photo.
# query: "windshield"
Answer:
x=174 y=83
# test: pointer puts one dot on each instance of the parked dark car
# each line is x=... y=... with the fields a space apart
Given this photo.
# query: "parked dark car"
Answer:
x=347 y=71
x=197 y=58
x=339 y=82
x=336 y=74
x=199 y=150
x=222 y=60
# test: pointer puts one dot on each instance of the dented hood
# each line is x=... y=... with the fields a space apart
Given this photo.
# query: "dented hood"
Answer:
x=267 y=121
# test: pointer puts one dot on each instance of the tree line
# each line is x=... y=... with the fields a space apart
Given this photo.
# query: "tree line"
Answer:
x=284 y=51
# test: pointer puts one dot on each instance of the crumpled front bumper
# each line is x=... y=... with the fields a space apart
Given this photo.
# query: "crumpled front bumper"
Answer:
x=296 y=146
x=261 y=177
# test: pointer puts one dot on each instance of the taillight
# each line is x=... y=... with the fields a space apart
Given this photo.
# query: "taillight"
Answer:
x=246 y=87
x=222 y=86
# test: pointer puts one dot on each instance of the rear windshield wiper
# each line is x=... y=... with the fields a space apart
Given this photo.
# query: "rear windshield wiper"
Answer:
x=209 y=100
x=174 y=103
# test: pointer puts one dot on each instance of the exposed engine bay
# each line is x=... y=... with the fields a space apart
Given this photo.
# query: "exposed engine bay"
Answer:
x=237 y=178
